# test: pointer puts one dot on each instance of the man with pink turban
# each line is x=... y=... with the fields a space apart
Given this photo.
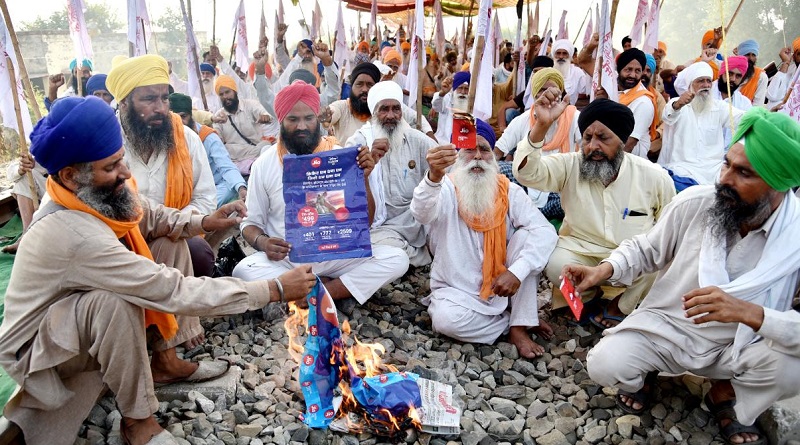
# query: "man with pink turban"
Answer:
x=730 y=77
x=297 y=107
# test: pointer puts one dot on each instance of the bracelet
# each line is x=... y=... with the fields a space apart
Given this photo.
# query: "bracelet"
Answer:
x=280 y=290
x=255 y=241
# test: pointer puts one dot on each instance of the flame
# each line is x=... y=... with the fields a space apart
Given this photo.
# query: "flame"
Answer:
x=295 y=326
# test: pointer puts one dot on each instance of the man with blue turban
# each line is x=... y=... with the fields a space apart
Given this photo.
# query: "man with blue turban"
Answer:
x=755 y=82
x=498 y=241
x=56 y=81
x=85 y=294
x=451 y=96
x=96 y=86
x=728 y=262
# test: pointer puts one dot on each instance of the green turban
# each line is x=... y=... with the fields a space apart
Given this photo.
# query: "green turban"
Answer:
x=180 y=103
x=772 y=145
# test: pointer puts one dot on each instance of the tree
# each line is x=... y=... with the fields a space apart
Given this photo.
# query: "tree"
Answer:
x=170 y=43
x=99 y=19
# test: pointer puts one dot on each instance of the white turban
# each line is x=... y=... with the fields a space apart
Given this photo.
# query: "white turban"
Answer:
x=564 y=44
x=388 y=89
x=693 y=72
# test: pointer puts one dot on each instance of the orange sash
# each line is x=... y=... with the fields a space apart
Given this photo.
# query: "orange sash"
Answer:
x=325 y=144
x=749 y=88
x=635 y=93
x=130 y=233
x=205 y=131
x=180 y=178
x=561 y=138
x=494 y=236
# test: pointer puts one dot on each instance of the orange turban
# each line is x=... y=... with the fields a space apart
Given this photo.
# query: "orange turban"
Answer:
x=796 y=44
x=392 y=55
x=363 y=46
x=662 y=46
x=298 y=91
x=226 y=81
x=465 y=66
x=405 y=46
x=709 y=36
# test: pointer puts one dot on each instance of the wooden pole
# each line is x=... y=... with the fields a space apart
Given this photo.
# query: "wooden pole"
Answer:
x=26 y=81
x=420 y=73
x=23 y=144
x=614 y=5
x=733 y=17
x=79 y=78
x=144 y=39
x=214 y=22
x=189 y=11
x=196 y=66
x=233 y=47
x=475 y=70
x=588 y=11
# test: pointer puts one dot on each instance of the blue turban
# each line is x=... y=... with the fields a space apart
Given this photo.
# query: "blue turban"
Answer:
x=385 y=43
x=748 y=47
x=651 y=62
x=308 y=43
x=86 y=62
x=459 y=78
x=207 y=67
x=78 y=129
x=486 y=131
x=95 y=83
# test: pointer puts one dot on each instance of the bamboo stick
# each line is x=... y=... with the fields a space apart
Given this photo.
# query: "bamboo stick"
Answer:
x=26 y=81
x=23 y=143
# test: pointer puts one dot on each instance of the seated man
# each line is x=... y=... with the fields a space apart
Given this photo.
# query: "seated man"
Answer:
x=96 y=86
x=451 y=97
x=84 y=288
x=229 y=182
x=490 y=244
x=29 y=179
x=297 y=107
x=608 y=195
x=728 y=266
x=400 y=151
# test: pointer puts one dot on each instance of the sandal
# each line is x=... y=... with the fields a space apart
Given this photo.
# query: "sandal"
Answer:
x=724 y=411
x=590 y=309
x=641 y=396
x=606 y=316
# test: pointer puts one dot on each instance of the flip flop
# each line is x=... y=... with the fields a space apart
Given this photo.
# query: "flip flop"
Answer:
x=724 y=411
x=606 y=316
x=590 y=309
x=207 y=370
x=641 y=396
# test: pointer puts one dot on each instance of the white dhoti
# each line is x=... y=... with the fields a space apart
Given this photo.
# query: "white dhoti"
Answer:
x=361 y=276
x=22 y=185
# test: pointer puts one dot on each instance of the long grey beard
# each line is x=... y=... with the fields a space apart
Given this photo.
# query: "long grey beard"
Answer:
x=477 y=191
x=460 y=102
x=119 y=206
x=701 y=102
x=563 y=67
x=603 y=171
x=394 y=136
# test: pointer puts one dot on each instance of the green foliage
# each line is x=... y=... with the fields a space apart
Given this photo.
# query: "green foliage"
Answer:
x=170 y=43
x=99 y=19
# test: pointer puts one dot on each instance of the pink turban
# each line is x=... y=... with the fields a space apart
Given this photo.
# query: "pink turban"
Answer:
x=735 y=62
x=298 y=91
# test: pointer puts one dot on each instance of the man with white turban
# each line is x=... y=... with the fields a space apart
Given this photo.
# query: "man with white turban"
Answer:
x=577 y=83
x=401 y=164
x=693 y=146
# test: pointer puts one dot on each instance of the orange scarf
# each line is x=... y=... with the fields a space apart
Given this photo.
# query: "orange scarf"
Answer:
x=325 y=144
x=129 y=232
x=180 y=178
x=749 y=88
x=205 y=131
x=561 y=139
x=494 y=236
x=635 y=93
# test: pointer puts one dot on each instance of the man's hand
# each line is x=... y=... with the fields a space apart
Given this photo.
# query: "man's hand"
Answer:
x=56 y=80
x=221 y=218
x=708 y=54
x=325 y=115
x=220 y=117
x=506 y=285
x=321 y=51
x=264 y=118
x=261 y=65
x=282 y=27
x=275 y=248
x=297 y=283
x=213 y=51
x=242 y=193
x=547 y=108
x=365 y=161
x=447 y=85
x=682 y=101
x=263 y=44
x=600 y=93
x=380 y=147
x=585 y=277
x=388 y=76
x=439 y=159
x=712 y=304
x=26 y=164
x=515 y=57
x=786 y=55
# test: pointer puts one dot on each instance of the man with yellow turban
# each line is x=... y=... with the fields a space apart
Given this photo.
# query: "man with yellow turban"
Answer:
x=781 y=81
x=405 y=51
x=728 y=262
x=394 y=61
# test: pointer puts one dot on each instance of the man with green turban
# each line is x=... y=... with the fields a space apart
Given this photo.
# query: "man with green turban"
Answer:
x=728 y=263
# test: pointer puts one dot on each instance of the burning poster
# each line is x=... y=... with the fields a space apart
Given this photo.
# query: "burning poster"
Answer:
x=326 y=206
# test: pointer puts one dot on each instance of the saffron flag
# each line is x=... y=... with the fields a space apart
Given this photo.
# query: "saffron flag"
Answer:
x=7 y=102
x=638 y=22
x=78 y=32
x=241 y=52
x=139 y=30
x=417 y=46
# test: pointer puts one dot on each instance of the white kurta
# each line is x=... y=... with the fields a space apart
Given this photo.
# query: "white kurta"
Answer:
x=643 y=115
x=456 y=308
x=779 y=85
x=442 y=105
x=741 y=102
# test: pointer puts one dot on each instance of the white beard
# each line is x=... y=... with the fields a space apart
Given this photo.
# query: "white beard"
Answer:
x=478 y=190
x=563 y=66
x=396 y=136
x=702 y=102
x=208 y=87
x=460 y=102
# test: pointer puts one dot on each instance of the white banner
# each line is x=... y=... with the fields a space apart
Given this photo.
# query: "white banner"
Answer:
x=482 y=109
x=373 y=21
x=262 y=27
x=241 y=53
x=533 y=27
x=6 y=98
x=440 y=38
x=316 y=22
x=139 y=30
x=792 y=105
x=497 y=38
x=193 y=83
x=78 y=32
x=587 y=35
x=605 y=74
x=417 y=46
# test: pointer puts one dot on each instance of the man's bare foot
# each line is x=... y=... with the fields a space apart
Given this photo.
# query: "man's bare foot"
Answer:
x=194 y=342
x=519 y=337
x=544 y=330
x=167 y=367
x=139 y=431
x=12 y=248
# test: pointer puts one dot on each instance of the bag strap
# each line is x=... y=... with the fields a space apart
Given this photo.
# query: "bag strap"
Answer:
x=230 y=119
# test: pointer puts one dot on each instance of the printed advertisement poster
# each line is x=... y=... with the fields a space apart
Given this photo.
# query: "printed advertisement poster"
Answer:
x=326 y=206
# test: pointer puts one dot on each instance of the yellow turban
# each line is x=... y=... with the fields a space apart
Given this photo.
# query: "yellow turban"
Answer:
x=226 y=81
x=796 y=44
x=136 y=72
x=543 y=76
x=405 y=46
x=465 y=66
x=392 y=55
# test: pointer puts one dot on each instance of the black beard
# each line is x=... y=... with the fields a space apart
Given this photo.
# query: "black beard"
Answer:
x=645 y=81
x=301 y=142
x=751 y=69
x=117 y=205
x=604 y=170
x=723 y=86
x=730 y=213
x=83 y=84
x=623 y=83
x=146 y=139
x=357 y=105
x=232 y=106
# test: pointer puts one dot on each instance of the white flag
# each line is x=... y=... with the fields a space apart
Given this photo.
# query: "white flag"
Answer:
x=651 y=38
x=638 y=22
x=78 y=32
x=546 y=37
x=497 y=38
x=316 y=22
x=482 y=109
x=373 y=20
x=462 y=47
x=242 y=52
x=520 y=87
x=792 y=105
x=279 y=19
x=340 y=51
x=191 y=57
x=587 y=35
x=417 y=45
x=440 y=38
x=605 y=75
x=6 y=99
x=562 y=27
x=139 y=30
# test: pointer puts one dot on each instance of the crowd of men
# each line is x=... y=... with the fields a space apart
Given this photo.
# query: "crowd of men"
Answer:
x=672 y=210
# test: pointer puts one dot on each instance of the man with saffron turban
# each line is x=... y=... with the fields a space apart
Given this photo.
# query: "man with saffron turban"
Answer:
x=728 y=264
x=608 y=195
x=85 y=293
x=297 y=107
x=480 y=221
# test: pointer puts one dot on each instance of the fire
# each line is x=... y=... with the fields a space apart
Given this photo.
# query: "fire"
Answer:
x=295 y=326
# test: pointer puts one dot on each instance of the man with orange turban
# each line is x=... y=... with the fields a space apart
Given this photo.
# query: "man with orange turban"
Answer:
x=405 y=51
x=85 y=287
x=297 y=107
x=709 y=51
x=781 y=81
x=394 y=61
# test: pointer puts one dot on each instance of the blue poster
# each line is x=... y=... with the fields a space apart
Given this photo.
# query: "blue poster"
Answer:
x=326 y=206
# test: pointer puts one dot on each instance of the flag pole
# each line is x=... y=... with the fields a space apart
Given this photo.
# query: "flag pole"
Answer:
x=420 y=69
x=475 y=70
x=214 y=22
x=588 y=11
x=23 y=143
x=26 y=81
x=196 y=63
x=733 y=17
